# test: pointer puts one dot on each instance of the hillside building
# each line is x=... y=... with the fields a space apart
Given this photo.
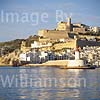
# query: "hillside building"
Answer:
x=63 y=29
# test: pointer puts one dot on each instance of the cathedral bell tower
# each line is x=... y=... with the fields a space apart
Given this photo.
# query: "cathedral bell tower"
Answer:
x=69 y=23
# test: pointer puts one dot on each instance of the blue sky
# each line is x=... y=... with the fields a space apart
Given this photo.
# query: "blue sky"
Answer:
x=84 y=11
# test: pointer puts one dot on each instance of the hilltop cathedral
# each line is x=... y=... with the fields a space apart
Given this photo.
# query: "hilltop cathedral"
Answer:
x=63 y=29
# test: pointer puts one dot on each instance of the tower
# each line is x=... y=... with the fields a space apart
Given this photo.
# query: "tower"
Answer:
x=77 y=55
x=69 y=22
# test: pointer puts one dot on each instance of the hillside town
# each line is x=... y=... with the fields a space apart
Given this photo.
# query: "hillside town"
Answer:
x=73 y=43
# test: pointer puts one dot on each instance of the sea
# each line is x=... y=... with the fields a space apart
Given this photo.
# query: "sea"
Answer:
x=49 y=83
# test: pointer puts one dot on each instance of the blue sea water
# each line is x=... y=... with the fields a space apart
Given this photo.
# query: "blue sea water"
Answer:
x=21 y=83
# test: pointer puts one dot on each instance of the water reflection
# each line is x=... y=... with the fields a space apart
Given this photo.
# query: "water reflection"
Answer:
x=60 y=91
x=60 y=88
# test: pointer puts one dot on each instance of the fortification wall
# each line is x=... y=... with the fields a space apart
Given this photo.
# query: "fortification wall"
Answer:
x=87 y=36
x=68 y=44
x=83 y=43
x=53 y=34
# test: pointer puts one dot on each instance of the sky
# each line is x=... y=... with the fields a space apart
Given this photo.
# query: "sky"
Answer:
x=33 y=15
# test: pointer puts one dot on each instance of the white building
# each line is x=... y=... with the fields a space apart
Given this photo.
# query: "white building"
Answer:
x=29 y=57
x=23 y=57
x=77 y=62
x=96 y=29
x=40 y=45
